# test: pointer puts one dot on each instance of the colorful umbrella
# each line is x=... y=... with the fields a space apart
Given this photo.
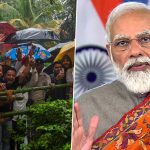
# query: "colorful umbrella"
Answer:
x=39 y=52
x=67 y=49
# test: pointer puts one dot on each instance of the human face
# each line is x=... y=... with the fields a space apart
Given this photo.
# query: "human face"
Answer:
x=57 y=68
x=132 y=64
x=39 y=67
x=8 y=61
x=130 y=26
x=66 y=63
x=10 y=76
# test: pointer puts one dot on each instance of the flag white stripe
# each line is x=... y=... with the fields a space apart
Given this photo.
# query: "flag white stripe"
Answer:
x=89 y=28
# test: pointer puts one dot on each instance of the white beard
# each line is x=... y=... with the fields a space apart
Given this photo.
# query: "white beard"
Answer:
x=135 y=81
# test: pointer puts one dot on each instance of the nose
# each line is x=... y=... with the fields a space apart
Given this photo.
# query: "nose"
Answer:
x=11 y=77
x=135 y=49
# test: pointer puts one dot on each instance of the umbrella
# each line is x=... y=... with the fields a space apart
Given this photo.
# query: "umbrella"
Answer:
x=54 y=51
x=6 y=28
x=32 y=34
x=67 y=49
x=58 y=46
x=6 y=47
x=39 y=52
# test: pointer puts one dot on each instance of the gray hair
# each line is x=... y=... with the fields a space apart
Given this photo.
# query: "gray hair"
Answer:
x=120 y=10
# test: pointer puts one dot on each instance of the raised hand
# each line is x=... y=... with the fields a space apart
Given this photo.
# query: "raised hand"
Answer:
x=19 y=54
x=61 y=74
x=80 y=140
x=31 y=52
x=32 y=62
x=2 y=86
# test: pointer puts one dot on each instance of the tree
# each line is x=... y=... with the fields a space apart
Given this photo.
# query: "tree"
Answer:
x=69 y=16
x=58 y=15
x=30 y=13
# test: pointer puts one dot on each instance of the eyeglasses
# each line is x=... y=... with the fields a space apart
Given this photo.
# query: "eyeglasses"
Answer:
x=123 y=44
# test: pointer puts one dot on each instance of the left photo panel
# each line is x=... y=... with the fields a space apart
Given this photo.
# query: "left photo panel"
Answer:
x=37 y=44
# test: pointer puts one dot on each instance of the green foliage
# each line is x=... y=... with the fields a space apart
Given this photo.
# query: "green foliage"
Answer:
x=20 y=130
x=49 y=125
x=30 y=12
x=59 y=15
x=69 y=16
x=6 y=12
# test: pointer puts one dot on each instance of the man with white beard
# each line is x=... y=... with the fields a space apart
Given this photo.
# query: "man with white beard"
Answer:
x=123 y=106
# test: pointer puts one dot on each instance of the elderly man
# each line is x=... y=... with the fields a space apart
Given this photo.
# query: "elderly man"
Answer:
x=123 y=106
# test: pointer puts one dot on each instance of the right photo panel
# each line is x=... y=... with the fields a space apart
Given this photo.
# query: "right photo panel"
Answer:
x=111 y=76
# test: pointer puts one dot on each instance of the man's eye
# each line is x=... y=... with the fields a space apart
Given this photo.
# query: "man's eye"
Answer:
x=145 y=40
x=121 y=43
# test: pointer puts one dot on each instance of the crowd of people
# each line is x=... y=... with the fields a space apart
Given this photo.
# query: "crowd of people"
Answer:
x=26 y=72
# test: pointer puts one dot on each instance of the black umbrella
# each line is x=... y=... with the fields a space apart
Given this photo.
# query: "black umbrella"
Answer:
x=32 y=34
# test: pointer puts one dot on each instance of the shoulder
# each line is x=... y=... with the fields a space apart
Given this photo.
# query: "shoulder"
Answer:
x=70 y=70
x=106 y=91
x=44 y=77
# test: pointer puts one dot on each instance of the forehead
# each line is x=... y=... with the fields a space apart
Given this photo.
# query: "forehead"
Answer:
x=11 y=72
x=131 y=24
x=66 y=60
x=57 y=65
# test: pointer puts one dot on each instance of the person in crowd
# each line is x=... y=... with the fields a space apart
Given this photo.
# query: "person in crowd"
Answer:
x=18 y=63
x=23 y=60
x=28 y=80
x=67 y=65
x=66 y=62
x=58 y=77
x=123 y=105
x=10 y=79
x=43 y=80
x=6 y=124
x=10 y=82
x=6 y=64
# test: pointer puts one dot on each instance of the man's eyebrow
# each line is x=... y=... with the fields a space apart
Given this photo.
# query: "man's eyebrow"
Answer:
x=120 y=36
x=143 y=33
